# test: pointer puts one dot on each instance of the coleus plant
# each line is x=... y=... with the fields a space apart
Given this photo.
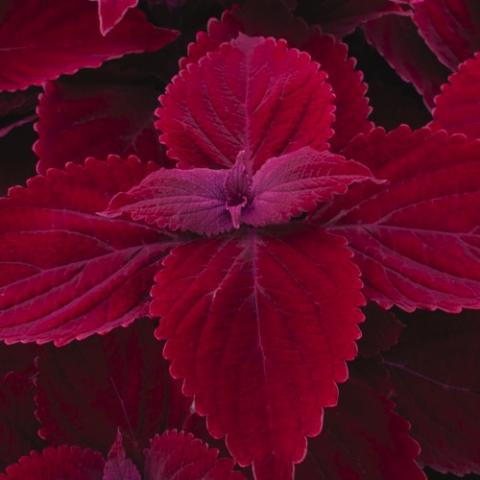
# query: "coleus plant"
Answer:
x=285 y=213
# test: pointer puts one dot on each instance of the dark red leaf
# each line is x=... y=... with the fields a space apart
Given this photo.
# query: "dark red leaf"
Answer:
x=416 y=239
x=42 y=40
x=111 y=12
x=18 y=426
x=79 y=118
x=342 y=17
x=253 y=95
x=66 y=273
x=88 y=389
x=380 y=331
x=210 y=201
x=434 y=370
x=180 y=456
x=351 y=104
x=258 y=337
x=458 y=106
x=61 y=463
x=363 y=438
x=398 y=40
x=451 y=28
x=118 y=466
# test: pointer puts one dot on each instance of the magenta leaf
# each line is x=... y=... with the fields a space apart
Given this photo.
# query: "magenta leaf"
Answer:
x=451 y=28
x=253 y=95
x=118 y=466
x=209 y=201
x=434 y=370
x=66 y=273
x=43 y=40
x=180 y=456
x=88 y=390
x=342 y=17
x=351 y=104
x=260 y=312
x=61 y=463
x=73 y=111
x=398 y=40
x=111 y=12
x=380 y=331
x=457 y=107
x=415 y=238
x=363 y=437
x=18 y=425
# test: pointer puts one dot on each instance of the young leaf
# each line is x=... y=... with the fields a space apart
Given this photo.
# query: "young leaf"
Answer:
x=261 y=337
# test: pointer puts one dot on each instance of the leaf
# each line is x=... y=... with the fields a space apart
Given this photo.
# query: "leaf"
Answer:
x=57 y=464
x=380 y=331
x=66 y=273
x=18 y=426
x=253 y=95
x=179 y=456
x=342 y=17
x=351 y=104
x=118 y=466
x=363 y=437
x=457 y=107
x=416 y=238
x=111 y=12
x=261 y=337
x=88 y=390
x=434 y=370
x=398 y=41
x=451 y=28
x=210 y=201
x=43 y=40
x=95 y=116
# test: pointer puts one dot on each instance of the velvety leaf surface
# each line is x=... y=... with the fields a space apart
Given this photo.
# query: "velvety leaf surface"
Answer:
x=18 y=426
x=415 y=238
x=89 y=389
x=254 y=95
x=65 y=272
x=42 y=40
x=342 y=17
x=210 y=201
x=118 y=466
x=258 y=338
x=380 y=331
x=111 y=12
x=458 y=107
x=79 y=118
x=61 y=463
x=434 y=370
x=451 y=28
x=180 y=456
x=398 y=40
x=351 y=104
x=363 y=437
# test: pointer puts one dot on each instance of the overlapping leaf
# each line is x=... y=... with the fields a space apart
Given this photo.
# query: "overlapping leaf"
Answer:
x=66 y=273
x=42 y=40
x=261 y=337
x=416 y=238
x=457 y=108
x=111 y=12
x=434 y=370
x=253 y=95
x=88 y=389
